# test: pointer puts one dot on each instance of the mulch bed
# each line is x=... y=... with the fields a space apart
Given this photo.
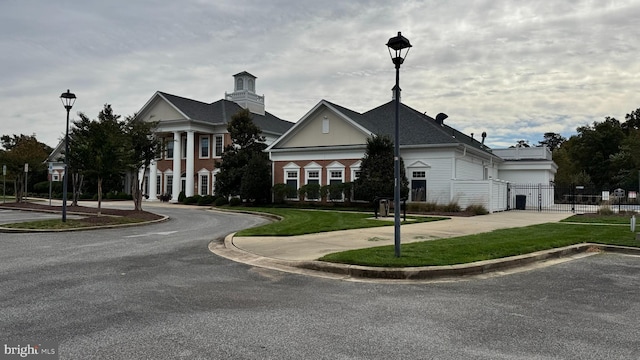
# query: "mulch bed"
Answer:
x=142 y=215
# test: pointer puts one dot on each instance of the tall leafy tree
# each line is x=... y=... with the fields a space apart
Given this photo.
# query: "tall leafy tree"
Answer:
x=377 y=176
x=99 y=148
x=20 y=150
x=594 y=148
x=245 y=165
x=552 y=141
x=142 y=147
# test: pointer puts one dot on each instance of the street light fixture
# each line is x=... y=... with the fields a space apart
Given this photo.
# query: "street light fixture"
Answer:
x=400 y=46
x=68 y=99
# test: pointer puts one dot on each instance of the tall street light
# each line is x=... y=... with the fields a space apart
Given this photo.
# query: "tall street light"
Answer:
x=68 y=99
x=400 y=46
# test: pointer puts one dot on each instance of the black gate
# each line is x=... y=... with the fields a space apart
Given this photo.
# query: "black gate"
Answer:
x=579 y=199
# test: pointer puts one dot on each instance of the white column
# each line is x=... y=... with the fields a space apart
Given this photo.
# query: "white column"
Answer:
x=190 y=165
x=177 y=161
x=153 y=180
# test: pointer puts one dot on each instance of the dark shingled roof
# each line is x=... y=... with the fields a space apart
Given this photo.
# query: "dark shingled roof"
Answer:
x=415 y=127
x=220 y=112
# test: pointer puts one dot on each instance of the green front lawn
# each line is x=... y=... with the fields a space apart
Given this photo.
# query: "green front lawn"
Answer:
x=492 y=245
x=300 y=222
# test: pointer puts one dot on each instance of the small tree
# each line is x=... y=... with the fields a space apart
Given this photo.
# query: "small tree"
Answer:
x=99 y=147
x=377 y=174
x=142 y=148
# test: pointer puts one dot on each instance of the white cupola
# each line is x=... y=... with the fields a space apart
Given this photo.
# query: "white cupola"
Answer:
x=244 y=93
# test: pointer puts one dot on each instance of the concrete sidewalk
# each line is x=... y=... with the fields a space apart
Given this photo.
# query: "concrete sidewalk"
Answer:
x=314 y=246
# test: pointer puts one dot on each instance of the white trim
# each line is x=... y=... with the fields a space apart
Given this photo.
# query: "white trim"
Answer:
x=316 y=168
x=292 y=168
x=200 y=138
x=214 y=146
x=214 y=173
x=335 y=167
x=355 y=167
x=166 y=141
x=204 y=173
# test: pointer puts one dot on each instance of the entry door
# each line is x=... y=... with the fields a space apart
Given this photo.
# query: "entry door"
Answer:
x=419 y=190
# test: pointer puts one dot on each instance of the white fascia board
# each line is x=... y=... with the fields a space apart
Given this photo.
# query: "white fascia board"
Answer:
x=185 y=125
x=310 y=155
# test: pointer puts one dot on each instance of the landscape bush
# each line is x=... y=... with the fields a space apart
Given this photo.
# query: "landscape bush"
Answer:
x=221 y=201
x=235 y=201
x=476 y=209
x=191 y=200
x=206 y=200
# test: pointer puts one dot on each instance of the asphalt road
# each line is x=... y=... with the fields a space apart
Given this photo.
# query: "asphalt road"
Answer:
x=156 y=292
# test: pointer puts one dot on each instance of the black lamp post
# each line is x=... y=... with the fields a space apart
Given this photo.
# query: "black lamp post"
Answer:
x=68 y=99
x=398 y=44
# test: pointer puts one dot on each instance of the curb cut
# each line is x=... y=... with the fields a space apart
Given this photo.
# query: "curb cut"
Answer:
x=230 y=251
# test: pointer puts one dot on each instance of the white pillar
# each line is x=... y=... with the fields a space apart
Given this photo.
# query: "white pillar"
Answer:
x=153 y=180
x=177 y=162
x=188 y=191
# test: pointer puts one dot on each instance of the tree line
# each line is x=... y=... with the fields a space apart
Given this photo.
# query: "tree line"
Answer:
x=604 y=155
x=102 y=152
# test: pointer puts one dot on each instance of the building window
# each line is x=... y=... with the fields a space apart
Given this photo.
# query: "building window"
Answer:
x=335 y=178
x=204 y=184
x=169 y=185
x=252 y=86
x=292 y=184
x=219 y=145
x=170 y=144
x=356 y=175
x=313 y=177
x=56 y=177
x=239 y=84
x=184 y=147
x=325 y=125
x=214 y=173
x=419 y=186
x=158 y=184
x=204 y=146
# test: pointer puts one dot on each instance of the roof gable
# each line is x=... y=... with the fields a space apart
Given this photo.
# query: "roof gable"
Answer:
x=326 y=124
x=216 y=113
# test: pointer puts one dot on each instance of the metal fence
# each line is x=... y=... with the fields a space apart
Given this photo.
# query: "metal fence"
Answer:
x=579 y=199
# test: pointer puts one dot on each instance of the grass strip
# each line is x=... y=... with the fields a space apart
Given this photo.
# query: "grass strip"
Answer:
x=57 y=224
x=620 y=219
x=300 y=222
x=486 y=246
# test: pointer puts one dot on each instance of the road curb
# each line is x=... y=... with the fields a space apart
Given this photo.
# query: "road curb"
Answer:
x=230 y=251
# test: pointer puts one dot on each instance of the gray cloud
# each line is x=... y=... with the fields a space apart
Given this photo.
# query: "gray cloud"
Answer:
x=512 y=68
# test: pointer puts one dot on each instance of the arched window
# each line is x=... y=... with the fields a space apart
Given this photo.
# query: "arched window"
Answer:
x=239 y=84
x=252 y=87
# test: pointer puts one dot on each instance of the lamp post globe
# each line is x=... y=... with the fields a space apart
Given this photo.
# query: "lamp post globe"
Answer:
x=68 y=99
x=399 y=47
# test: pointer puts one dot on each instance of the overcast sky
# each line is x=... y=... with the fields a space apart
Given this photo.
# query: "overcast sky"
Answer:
x=515 y=69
